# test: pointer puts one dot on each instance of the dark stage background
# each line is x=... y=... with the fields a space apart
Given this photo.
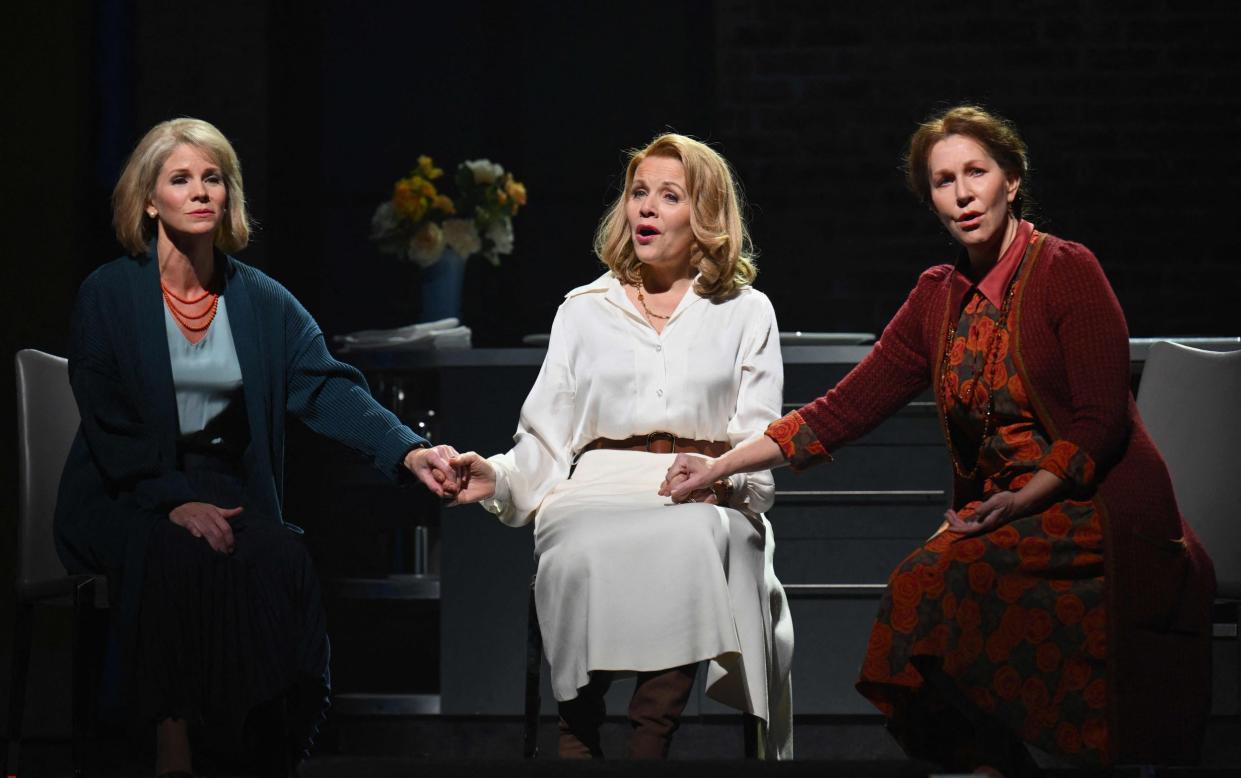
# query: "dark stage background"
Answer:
x=1132 y=112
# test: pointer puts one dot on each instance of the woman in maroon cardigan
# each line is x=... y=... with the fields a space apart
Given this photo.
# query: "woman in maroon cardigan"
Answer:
x=1063 y=602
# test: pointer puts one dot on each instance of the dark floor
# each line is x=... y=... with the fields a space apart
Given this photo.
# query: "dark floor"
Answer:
x=442 y=747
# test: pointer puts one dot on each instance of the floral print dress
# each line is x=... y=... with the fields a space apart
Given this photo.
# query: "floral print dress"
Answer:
x=1014 y=618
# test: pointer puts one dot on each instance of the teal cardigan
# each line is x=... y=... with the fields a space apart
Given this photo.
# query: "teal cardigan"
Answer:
x=121 y=475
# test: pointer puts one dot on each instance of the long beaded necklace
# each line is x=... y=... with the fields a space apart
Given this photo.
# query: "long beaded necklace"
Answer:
x=981 y=372
x=187 y=320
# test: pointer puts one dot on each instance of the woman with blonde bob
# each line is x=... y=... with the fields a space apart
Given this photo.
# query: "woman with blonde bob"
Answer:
x=670 y=350
x=185 y=364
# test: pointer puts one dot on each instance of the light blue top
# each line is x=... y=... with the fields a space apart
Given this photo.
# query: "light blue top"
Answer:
x=205 y=374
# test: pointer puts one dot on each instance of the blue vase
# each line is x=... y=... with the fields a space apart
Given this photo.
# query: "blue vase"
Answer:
x=441 y=287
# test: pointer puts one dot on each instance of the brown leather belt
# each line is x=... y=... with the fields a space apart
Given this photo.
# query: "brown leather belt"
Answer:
x=661 y=443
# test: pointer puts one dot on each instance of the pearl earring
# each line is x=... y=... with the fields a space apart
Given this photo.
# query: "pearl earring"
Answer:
x=152 y=213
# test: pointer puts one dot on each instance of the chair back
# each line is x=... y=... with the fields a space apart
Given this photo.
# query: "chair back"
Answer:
x=1190 y=401
x=47 y=420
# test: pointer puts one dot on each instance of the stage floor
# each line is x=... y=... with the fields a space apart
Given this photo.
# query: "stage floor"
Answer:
x=475 y=747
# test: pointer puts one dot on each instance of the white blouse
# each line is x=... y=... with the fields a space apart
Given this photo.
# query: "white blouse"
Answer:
x=714 y=373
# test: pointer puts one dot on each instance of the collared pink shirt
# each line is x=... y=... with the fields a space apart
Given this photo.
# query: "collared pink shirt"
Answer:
x=996 y=280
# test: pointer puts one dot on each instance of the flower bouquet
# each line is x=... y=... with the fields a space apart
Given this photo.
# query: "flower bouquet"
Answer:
x=420 y=221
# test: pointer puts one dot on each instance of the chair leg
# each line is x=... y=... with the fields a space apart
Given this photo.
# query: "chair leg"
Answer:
x=17 y=686
x=1237 y=618
x=288 y=765
x=751 y=732
x=534 y=667
x=83 y=604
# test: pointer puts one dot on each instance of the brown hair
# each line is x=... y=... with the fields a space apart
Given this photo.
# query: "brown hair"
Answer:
x=134 y=228
x=994 y=133
x=721 y=252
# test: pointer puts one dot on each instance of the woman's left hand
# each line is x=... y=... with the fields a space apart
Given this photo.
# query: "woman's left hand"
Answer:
x=992 y=513
x=1002 y=507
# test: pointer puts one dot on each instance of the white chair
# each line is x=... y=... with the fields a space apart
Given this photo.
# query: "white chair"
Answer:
x=1190 y=401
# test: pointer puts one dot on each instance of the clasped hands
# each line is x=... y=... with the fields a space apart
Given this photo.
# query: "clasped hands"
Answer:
x=690 y=478
x=455 y=478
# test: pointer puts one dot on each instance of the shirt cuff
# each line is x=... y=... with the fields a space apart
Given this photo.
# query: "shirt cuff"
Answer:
x=500 y=503
x=797 y=441
x=1068 y=461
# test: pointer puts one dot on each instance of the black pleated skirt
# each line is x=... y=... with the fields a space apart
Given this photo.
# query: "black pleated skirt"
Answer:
x=222 y=637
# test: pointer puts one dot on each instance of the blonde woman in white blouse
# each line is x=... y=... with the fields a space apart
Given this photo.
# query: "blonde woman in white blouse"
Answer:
x=671 y=350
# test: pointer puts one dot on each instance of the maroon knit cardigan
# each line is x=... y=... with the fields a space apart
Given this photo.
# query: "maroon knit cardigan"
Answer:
x=1071 y=349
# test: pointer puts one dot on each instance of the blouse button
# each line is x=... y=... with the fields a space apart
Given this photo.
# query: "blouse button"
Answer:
x=659 y=348
x=659 y=392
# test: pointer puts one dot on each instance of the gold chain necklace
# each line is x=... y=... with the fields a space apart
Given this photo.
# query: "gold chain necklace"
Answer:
x=1001 y=323
x=642 y=302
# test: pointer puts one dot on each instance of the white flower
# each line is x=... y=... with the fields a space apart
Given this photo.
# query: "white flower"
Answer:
x=500 y=233
x=427 y=245
x=384 y=221
x=462 y=236
x=485 y=171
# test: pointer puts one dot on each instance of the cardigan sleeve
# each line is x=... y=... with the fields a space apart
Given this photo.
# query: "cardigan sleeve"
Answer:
x=895 y=371
x=332 y=398
x=1094 y=346
x=119 y=436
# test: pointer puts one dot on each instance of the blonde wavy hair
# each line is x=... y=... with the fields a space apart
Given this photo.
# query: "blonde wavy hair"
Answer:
x=722 y=252
x=134 y=189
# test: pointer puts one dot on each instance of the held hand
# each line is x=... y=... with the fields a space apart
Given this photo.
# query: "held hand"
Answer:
x=478 y=480
x=701 y=495
x=431 y=466
x=204 y=520
x=688 y=474
x=992 y=513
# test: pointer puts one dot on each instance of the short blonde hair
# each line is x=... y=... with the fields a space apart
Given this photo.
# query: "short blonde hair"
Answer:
x=722 y=251
x=134 y=228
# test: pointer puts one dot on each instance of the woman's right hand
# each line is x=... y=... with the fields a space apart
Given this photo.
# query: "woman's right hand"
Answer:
x=207 y=521
x=477 y=481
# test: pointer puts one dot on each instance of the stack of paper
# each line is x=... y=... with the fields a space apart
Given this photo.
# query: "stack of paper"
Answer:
x=442 y=334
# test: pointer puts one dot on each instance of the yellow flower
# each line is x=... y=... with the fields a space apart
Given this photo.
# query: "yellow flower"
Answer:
x=443 y=204
x=420 y=186
x=427 y=168
x=407 y=201
x=501 y=198
x=516 y=190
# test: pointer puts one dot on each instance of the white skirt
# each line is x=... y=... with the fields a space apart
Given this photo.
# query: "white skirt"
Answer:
x=629 y=582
